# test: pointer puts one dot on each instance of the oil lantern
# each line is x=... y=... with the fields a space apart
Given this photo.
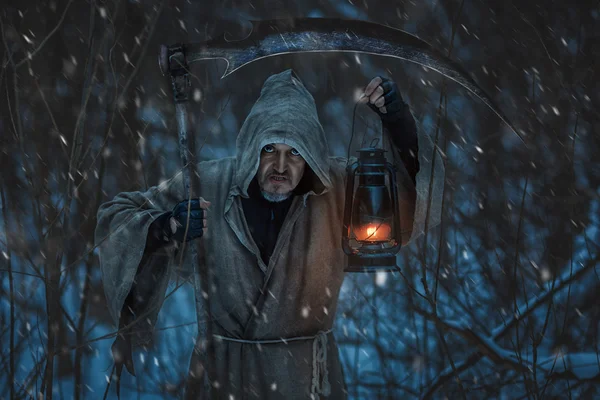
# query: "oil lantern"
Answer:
x=371 y=234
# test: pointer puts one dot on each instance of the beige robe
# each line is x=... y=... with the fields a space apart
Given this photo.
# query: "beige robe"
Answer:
x=296 y=294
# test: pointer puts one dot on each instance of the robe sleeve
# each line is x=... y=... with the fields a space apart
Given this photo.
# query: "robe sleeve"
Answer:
x=423 y=174
x=143 y=297
x=420 y=179
x=405 y=154
x=130 y=251
x=403 y=136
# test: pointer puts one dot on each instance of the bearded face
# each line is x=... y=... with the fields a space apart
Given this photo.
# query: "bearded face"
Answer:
x=280 y=170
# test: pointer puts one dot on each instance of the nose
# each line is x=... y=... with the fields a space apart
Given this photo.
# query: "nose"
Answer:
x=281 y=163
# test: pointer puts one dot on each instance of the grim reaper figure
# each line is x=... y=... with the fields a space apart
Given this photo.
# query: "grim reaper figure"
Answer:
x=272 y=241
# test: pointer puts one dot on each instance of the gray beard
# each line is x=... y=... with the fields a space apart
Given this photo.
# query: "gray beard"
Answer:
x=275 y=197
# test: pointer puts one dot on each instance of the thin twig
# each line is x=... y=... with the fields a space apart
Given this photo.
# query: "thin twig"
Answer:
x=32 y=54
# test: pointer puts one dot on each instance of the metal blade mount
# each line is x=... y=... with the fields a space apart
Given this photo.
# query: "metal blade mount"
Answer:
x=298 y=35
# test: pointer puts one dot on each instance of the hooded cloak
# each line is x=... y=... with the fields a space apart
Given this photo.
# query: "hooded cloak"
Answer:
x=272 y=320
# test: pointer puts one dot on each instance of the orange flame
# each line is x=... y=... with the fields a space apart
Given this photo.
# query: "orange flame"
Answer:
x=374 y=232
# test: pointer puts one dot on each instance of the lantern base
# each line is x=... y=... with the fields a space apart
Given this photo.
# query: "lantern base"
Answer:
x=371 y=263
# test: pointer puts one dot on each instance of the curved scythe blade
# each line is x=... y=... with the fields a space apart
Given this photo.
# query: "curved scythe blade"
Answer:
x=284 y=36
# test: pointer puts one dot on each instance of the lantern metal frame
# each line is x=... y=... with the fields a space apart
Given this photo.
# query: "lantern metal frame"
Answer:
x=371 y=257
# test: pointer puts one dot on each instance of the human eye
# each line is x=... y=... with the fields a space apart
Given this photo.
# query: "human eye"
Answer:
x=295 y=152
x=268 y=149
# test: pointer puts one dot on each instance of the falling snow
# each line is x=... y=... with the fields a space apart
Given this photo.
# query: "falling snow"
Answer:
x=381 y=278
x=305 y=312
x=512 y=209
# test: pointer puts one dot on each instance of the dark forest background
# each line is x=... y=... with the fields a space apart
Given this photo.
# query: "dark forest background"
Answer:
x=497 y=302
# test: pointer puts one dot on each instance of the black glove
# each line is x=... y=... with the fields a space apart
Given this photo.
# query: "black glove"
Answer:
x=398 y=119
x=394 y=105
x=196 y=220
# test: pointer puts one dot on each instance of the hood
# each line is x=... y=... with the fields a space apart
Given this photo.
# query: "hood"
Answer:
x=285 y=113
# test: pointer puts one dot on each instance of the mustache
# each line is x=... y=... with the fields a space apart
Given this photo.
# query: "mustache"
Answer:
x=278 y=175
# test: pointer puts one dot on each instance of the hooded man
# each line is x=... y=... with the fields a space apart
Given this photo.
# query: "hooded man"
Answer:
x=272 y=245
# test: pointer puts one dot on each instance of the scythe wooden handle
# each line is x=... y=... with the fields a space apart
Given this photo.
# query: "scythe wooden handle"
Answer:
x=172 y=61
